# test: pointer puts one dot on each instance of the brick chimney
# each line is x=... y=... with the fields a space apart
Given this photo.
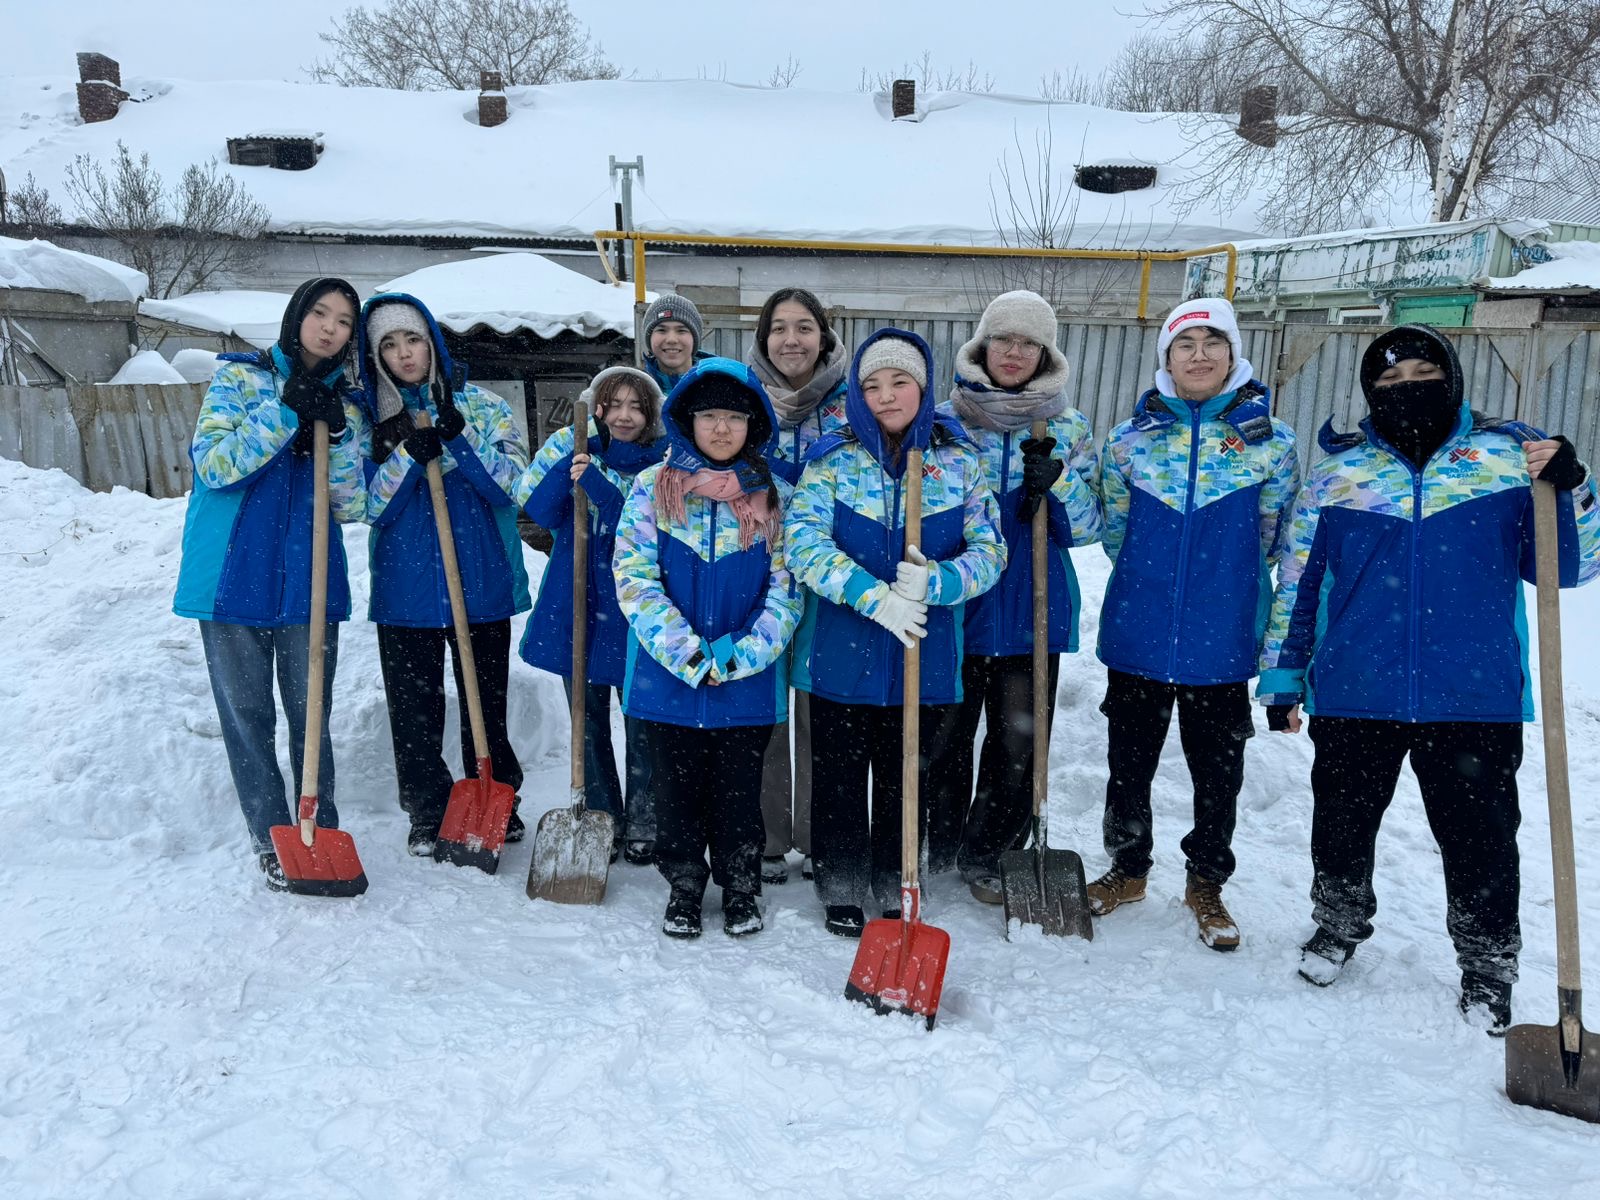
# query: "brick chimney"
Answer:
x=99 y=87
x=491 y=99
x=1258 y=116
x=903 y=98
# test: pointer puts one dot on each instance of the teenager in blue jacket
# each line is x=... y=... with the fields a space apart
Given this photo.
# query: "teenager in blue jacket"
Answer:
x=866 y=601
x=246 y=570
x=801 y=363
x=1009 y=376
x=702 y=580
x=1197 y=488
x=406 y=370
x=1399 y=625
x=625 y=436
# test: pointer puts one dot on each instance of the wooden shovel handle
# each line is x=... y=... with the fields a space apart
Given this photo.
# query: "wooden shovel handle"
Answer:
x=911 y=694
x=1553 y=712
x=1041 y=649
x=580 y=602
x=458 y=600
x=316 y=633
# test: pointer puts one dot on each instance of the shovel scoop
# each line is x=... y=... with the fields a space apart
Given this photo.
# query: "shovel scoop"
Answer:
x=474 y=828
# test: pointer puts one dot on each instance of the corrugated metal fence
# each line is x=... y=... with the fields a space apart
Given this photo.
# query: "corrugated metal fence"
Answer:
x=138 y=436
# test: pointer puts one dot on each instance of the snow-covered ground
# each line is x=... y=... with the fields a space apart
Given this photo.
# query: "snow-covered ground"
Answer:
x=169 y=1029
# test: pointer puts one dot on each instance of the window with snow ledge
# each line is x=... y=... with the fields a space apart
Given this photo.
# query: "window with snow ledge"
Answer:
x=287 y=152
x=1111 y=179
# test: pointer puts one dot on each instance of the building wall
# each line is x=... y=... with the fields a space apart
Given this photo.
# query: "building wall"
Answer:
x=1517 y=313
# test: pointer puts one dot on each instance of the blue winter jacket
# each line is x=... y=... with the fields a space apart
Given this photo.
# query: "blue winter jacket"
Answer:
x=480 y=467
x=695 y=597
x=1399 y=597
x=545 y=493
x=1196 y=496
x=247 y=530
x=846 y=535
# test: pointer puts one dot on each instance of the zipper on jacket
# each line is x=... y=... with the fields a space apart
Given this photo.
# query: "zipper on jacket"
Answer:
x=1415 y=657
x=704 y=616
x=1183 y=542
x=894 y=556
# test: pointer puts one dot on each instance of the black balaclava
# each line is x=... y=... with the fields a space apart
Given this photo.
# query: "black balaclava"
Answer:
x=305 y=296
x=1417 y=416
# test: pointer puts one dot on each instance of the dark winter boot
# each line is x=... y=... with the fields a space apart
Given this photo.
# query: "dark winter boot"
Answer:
x=985 y=887
x=1485 y=1003
x=640 y=853
x=1323 y=957
x=515 y=829
x=1114 y=889
x=741 y=916
x=273 y=870
x=419 y=842
x=845 y=920
x=774 y=868
x=1204 y=899
x=683 y=915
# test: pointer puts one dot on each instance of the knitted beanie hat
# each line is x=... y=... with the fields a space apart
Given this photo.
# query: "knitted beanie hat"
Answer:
x=1210 y=311
x=391 y=318
x=897 y=353
x=670 y=307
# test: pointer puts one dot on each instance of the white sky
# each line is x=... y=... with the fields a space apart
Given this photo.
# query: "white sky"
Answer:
x=1016 y=41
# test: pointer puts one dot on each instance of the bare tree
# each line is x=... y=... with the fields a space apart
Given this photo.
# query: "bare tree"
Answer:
x=30 y=206
x=929 y=77
x=785 y=73
x=1475 y=101
x=1191 y=74
x=435 y=45
x=182 y=237
x=1072 y=87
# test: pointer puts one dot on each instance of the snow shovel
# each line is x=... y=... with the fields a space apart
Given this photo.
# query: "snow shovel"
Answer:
x=900 y=964
x=473 y=831
x=1556 y=1066
x=1042 y=886
x=315 y=861
x=572 y=846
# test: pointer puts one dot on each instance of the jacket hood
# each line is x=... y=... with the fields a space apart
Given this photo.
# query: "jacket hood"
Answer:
x=444 y=368
x=294 y=315
x=682 y=453
x=644 y=383
x=859 y=416
x=1380 y=355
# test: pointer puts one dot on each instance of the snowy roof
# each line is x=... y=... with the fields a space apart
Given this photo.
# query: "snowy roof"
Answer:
x=720 y=158
x=254 y=316
x=518 y=290
x=147 y=366
x=1573 y=267
x=48 y=267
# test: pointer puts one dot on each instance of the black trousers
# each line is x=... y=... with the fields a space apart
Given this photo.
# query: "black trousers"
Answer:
x=412 y=661
x=971 y=830
x=1467 y=771
x=852 y=852
x=708 y=796
x=1213 y=723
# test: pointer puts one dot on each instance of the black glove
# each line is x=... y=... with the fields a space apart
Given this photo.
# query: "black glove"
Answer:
x=388 y=435
x=1039 y=472
x=1278 y=717
x=1564 y=472
x=424 y=445
x=313 y=400
x=449 y=422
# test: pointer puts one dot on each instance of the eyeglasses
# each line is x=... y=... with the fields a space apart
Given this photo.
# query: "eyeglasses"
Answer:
x=1212 y=347
x=729 y=420
x=1015 y=345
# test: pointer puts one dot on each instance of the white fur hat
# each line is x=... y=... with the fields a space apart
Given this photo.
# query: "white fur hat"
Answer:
x=1020 y=314
x=894 y=352
x=1211 y=312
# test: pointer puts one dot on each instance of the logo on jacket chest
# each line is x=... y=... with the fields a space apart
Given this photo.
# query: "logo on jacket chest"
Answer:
x=932 y=470
x=1232 y=446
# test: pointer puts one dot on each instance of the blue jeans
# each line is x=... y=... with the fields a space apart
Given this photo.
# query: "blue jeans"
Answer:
x=635 y=812
x=241 y=661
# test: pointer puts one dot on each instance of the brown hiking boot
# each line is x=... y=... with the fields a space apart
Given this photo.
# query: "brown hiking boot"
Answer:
x=1204 y=898
x=1114 y=888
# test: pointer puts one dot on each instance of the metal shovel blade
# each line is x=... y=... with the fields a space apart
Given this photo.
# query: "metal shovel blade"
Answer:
x=474 y=828
x=899 y=967
x=329 y=866
x=1542 y=1073
x=1055 y=898
x=571 y=856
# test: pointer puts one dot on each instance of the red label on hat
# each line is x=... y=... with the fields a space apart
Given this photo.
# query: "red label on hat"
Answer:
x=1194 y=316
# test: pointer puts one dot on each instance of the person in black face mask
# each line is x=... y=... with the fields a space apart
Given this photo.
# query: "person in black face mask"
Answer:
x=1396 y=624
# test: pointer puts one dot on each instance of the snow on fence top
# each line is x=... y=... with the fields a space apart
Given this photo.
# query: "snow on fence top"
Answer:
x=1572 y=267
x=46 y=266
x=518 y=290
x=254 y=316
x=720 y=158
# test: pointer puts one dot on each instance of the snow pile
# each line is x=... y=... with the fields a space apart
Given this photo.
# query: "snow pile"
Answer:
x=861 y=176
x=44 y=265
x=518 y=290
x=1573 y=267
x=147 y=366
x=254 y=316
x=171 y=1029
x=196 y=366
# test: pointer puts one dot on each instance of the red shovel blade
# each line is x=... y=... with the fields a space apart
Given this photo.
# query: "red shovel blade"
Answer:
x=473 y=831
x=900 y=967
x=329 y=866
